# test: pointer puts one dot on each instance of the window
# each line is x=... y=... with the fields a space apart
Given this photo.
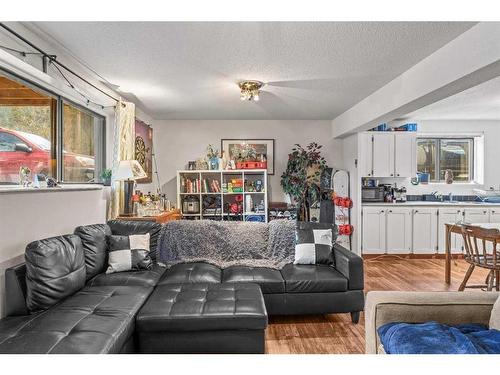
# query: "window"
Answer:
x=82 y=132
x=27 y=123
x=31 y=123
x=436 y=155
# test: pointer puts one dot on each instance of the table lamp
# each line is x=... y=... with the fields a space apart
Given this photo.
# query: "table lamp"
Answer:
x=128 y=171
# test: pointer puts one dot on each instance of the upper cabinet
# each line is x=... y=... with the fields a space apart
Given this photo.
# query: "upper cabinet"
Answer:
x=388 y=154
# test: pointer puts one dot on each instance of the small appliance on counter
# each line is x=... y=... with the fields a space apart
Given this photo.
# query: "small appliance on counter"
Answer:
x=399 y=194
x=372 y=194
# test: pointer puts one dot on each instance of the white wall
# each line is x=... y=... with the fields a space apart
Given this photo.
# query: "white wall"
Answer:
x=177 y=142
x=29 y=216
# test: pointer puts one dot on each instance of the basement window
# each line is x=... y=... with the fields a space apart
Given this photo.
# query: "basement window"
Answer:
x=47 y=134
x=437 y=155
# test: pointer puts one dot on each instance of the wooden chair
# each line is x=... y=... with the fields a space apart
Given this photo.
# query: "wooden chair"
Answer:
x=481 y=250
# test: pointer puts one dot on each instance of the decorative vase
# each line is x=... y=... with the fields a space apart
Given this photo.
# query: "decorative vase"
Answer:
x=448 y=176
x=213 y=164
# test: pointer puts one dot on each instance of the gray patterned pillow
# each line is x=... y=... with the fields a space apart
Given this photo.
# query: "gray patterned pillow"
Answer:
x=127 y=253
x=314 y=242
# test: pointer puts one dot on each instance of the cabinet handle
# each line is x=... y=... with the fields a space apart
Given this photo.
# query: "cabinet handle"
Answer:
x=416 y=211
x=382 y=211
x=390 y=210
x=398 y=174
x=484 y=212
x=392 y=174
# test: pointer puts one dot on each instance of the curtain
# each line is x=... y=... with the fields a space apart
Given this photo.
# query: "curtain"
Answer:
x=123 y=149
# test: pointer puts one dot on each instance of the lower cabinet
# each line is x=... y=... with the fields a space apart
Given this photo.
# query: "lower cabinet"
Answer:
x=398 y=231
x=418 y=230
x=449 y=215
x=424 y=231
x=373 y=235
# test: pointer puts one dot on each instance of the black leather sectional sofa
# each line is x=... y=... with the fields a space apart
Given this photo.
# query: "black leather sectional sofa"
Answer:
x=62 y=301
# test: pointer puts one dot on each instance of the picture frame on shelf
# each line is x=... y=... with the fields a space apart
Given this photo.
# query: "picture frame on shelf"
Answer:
x=247 y=153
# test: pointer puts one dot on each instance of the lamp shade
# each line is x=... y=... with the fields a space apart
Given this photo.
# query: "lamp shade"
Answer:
x=129 y=170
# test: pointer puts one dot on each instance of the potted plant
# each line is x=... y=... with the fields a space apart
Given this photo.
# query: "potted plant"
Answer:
x=302 y=177
x=106 y=177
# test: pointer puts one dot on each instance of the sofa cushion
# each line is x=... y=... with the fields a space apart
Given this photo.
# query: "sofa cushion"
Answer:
x=129 y=253
x=145 y=278
x=495 y=316
x=94 y=320
x=126 y=228
x=269 y=280
x=203 y=307
x=94 y=246
x=192 y=273
x=312 y=279
x=55 y=269
x=313 y=242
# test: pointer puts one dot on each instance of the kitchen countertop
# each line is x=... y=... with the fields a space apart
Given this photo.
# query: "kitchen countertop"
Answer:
x=431 y=204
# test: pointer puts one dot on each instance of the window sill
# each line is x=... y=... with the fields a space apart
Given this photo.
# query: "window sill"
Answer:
x=8 y=189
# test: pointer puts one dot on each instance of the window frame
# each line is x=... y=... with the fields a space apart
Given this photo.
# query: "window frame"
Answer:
x=100 y=158
x=437 y=163
x=56 y=151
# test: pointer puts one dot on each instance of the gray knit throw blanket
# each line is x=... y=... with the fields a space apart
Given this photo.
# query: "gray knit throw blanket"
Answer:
x=227 y=244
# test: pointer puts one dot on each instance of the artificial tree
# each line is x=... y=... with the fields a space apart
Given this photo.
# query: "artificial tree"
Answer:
x=302 y=177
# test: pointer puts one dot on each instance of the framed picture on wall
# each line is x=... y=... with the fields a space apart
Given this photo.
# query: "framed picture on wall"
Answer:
x=144 y=149
x=250 y=150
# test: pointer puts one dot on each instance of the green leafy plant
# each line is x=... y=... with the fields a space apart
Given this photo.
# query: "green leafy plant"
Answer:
x=106 y=174
x=302 y=177
x=106 y=177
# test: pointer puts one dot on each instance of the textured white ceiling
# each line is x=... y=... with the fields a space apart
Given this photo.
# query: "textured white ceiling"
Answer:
x=481 y=102
x=188 y=70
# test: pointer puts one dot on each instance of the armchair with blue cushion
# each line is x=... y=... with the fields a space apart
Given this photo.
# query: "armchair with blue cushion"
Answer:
x=450 y=314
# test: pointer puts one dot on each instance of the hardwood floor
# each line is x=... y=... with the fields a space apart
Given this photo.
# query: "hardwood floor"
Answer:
x=335 y=334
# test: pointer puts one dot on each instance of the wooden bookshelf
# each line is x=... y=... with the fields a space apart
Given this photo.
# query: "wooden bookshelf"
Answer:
x=207 y=185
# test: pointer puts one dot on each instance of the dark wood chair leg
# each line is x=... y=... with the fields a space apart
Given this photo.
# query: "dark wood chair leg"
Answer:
x=355 y=317
x=490 y=281
x=497 y=280
x=466 y=278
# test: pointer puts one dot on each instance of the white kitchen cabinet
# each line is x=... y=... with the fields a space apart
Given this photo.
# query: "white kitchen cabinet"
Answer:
x=373 y=235
x=405 y=155
x=476 y=215
x=424 y=231
x=449 y=215
x=398 y=230
x=495 y=215
x=383 y=155
x=387 y=154
x=366 y=155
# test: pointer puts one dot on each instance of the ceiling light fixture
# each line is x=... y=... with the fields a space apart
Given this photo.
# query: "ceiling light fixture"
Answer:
x=250 y=90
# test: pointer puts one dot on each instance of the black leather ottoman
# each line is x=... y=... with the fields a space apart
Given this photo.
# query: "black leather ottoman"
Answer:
x=203 y=318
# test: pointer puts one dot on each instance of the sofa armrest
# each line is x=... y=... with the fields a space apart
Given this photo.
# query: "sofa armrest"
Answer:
x=15 y=290
x=418 y=307
x=350 y=265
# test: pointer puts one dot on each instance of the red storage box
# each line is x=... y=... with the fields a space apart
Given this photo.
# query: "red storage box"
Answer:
x=251 y=165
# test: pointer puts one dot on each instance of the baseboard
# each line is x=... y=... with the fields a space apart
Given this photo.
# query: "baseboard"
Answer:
x=410 y=256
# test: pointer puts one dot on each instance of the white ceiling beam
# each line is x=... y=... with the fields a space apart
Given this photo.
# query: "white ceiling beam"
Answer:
x=470 y=59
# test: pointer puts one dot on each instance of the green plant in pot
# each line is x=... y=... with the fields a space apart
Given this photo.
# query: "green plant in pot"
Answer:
x=106 y=177
x=302 y=178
